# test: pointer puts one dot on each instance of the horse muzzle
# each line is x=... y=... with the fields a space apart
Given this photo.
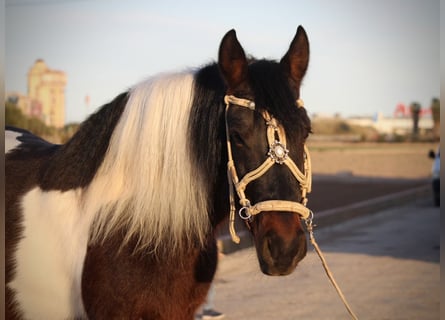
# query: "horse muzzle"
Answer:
x=280 y=244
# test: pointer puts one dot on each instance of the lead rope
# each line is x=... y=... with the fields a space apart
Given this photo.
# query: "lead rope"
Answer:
x=310 y=229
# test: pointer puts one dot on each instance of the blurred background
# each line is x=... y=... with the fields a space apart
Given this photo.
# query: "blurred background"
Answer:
x=374 y=66
x=372 y=88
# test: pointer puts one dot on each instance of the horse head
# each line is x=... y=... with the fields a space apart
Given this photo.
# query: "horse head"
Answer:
x=266 y=129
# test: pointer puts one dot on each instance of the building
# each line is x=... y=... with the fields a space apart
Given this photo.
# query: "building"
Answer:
x=378 y=127
x=46 y=94
x=393 y=125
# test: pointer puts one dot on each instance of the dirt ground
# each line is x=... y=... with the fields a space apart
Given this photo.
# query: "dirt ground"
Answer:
x=384 y=268
x=388 y=160
x=402 y=287
x=345 y=173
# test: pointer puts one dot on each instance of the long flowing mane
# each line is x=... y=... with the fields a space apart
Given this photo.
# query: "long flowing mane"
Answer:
x=146 y=183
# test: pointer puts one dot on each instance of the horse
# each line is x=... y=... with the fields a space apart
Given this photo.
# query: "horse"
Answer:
x=120 y=222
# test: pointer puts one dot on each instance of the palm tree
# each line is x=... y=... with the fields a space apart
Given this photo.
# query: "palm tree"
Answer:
x=415 y=112
x=435 y=112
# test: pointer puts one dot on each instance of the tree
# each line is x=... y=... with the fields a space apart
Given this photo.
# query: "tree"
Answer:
x=415 y=112
x=14 y=117
x=435 y=111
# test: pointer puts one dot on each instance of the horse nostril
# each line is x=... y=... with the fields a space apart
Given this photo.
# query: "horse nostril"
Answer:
x=281 y=252
x=273 y=245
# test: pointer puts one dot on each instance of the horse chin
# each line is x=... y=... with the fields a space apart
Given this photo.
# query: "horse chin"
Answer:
x=269 y=270
x=273 y=268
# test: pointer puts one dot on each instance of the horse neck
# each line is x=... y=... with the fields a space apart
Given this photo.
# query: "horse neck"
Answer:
x=207 y=139
x=75 y=164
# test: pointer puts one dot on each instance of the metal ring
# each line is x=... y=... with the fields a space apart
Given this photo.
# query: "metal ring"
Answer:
x=308 y=220
x=244 y=213
x=311 y=215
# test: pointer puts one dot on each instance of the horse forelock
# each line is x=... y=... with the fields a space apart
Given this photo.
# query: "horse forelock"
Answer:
x=147 y=182
x=274 y=93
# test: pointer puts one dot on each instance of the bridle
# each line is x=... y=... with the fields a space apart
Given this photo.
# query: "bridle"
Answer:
x=278 y=154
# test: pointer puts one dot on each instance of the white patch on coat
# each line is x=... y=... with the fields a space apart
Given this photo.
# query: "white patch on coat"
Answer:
x=50 y=256
x=11 y=141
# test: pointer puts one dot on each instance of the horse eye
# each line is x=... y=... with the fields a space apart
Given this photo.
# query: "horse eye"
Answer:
x=237 y=139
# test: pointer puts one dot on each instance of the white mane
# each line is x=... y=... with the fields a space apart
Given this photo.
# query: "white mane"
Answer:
x=146 y=181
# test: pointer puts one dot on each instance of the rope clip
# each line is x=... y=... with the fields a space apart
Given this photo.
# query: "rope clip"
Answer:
x=309 y=225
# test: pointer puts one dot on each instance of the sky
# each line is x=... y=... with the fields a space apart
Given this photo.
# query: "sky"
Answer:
x=366 y=56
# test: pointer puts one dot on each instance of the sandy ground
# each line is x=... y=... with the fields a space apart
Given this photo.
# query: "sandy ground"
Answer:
x=386 y=264
x=390 y=160
x=378 y=260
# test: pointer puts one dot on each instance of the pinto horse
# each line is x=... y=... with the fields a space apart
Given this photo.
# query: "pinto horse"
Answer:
x=119 y=222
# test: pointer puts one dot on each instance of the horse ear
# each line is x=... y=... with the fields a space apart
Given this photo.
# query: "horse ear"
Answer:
x=232 y=60
x=296 y=60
